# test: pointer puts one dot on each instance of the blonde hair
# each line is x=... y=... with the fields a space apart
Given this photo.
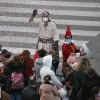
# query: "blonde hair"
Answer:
x=84 y=65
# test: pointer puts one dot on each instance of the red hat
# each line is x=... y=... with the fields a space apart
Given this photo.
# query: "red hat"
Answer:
x=68 y=31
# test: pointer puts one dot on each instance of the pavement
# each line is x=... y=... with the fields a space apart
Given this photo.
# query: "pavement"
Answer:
x=82 y=16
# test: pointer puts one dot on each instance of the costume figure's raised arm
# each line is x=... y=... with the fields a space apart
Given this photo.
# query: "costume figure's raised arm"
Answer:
x=31 y=19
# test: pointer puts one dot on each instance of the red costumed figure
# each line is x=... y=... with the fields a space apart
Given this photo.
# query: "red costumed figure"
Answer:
x=68 y=46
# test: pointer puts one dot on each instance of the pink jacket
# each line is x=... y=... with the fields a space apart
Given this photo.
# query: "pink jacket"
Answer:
x=48 y=92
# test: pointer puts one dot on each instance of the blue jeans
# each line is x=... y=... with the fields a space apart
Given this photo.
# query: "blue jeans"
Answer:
x=15 y=96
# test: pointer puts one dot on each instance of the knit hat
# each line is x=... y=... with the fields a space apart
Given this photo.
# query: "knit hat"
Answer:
x=68 y=31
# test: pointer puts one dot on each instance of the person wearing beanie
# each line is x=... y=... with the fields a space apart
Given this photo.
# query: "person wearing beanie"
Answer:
x=48 y=36
x=69 y=47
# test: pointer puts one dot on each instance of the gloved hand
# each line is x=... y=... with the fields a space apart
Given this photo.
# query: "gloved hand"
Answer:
x=34 y=13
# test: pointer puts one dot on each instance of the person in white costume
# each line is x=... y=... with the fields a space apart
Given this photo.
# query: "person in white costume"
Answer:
x=46 y=70
x=48 y=36
x=47 y=32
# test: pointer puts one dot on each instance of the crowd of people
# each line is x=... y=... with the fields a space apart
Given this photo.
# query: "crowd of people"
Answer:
x=23 y=77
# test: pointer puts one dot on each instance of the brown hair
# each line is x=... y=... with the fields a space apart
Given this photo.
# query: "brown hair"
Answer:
x=94 y=91
x=47 y=79
x=17 y=60
x=91 y=73
x=26 y=55
x=84 y=65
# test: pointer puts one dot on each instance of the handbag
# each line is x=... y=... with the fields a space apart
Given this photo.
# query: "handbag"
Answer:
x=79 y=95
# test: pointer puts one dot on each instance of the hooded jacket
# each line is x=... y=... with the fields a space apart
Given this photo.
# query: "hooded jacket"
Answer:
x=38 y=64
x=48 y=92
x=46 y=70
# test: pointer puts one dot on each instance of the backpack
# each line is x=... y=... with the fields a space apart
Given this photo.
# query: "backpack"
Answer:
x=17 y=79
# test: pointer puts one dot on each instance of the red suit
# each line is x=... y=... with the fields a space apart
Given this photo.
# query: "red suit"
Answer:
x=67 y=49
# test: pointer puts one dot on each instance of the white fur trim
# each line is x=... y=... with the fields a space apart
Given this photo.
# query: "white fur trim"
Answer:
x=67 y=43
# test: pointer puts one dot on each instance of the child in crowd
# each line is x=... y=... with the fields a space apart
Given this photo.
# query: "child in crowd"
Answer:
x=38 y=64
x=48 y=90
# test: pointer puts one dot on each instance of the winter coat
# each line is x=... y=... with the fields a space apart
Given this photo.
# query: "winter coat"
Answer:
x=67 y=49
x=46 y=70
x=29 y=93
x=48 y=92
x=9 y=69
x=38 y=64
x=77 y=78
x=88 y=84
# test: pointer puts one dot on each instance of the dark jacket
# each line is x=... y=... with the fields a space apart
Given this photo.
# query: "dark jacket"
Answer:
x=55 y=64
x=77 y=78
x=9 y=69
x=88 y=84
x=29 y=93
